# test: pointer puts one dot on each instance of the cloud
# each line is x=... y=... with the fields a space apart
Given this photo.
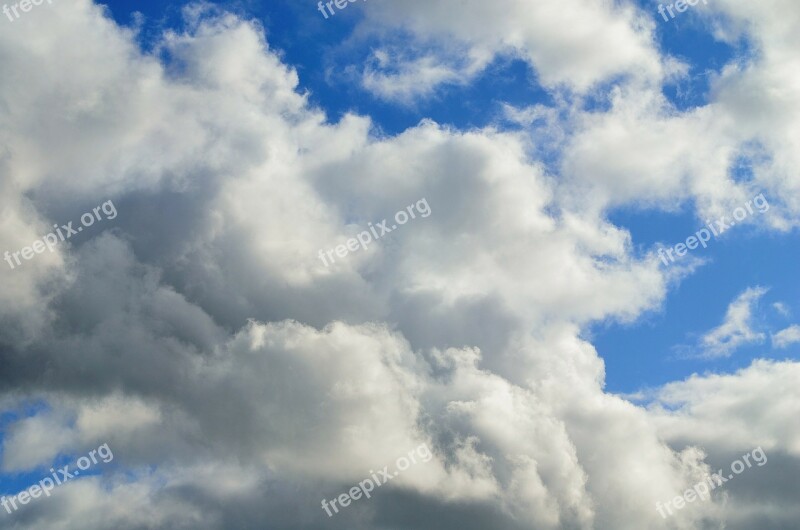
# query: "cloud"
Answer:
x=238 y=380
x=602 y=41
x=786 y=337
x=393 y=74
x=781 y=308
x=729 y=415
x=736 y=330
x=206 y=315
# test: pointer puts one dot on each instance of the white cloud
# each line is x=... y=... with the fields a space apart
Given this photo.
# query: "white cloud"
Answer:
x=782 y=308
x=391 y=75
x=730 y=415
x=749 y=408
x=736 y=330
x=601 y=41
x=786 y=337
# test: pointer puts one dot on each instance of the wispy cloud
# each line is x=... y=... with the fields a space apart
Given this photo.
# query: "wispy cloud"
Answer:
x=786 y=337
x=781 y=308
x=396 y=75
x=737 y=328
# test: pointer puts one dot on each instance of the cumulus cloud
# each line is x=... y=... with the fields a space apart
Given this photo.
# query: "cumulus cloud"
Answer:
x=730 y=415
x=603 y=40
x=239 y=380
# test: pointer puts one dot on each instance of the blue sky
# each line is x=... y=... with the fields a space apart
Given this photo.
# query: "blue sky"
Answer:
x=642 y=354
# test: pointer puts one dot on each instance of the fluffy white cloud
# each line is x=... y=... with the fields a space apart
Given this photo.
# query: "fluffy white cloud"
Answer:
x=602 y=41
x=731 y=415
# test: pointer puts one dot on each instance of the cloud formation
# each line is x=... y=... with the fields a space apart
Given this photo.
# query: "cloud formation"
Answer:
x=737 y=328
x=241 y=381
x=786 y=337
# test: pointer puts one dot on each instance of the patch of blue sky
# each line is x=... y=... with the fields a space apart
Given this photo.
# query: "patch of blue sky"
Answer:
x=328 y=63
x=690 y=38
x=652 y=350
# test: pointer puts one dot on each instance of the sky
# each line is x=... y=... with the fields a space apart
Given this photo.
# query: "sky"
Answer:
x=253 y=254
